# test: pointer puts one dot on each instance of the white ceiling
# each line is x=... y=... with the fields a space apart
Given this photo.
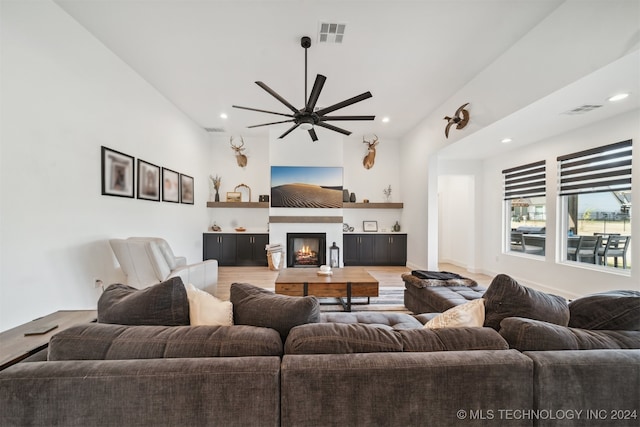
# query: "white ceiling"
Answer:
x=205 y=55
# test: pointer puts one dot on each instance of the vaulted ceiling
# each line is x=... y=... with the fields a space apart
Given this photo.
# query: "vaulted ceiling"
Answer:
x=205 y=55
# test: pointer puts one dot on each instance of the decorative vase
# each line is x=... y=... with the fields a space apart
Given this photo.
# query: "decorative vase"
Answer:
x=396 y=227
x=345 y=195
x=217 y=198
x=352 y=198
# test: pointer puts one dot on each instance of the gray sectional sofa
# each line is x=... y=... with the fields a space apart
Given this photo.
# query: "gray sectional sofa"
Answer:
x=285 y=364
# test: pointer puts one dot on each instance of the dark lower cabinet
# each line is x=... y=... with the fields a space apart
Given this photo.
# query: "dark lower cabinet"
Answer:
x=235 y=249
x=375 y=249
x=250 y=249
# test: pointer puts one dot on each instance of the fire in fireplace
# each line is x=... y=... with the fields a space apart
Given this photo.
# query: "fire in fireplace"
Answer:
x=306 y=249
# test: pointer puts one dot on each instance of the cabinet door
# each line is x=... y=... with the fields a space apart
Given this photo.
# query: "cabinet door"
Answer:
x=350 y=255
x=397 y=249
x=366 y=249
x=221 y=247
x=250 y=249
x=259 y=254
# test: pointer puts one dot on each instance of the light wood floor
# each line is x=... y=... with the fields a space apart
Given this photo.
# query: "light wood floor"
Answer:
x=263 y=277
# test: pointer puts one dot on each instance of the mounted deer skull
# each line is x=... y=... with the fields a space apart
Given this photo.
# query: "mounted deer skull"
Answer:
x=370 y=158
x=240 y=158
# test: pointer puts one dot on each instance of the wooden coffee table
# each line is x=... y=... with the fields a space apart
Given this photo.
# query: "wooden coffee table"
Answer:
x=344 y=284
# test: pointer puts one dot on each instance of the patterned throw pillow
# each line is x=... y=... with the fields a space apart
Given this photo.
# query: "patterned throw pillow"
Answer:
x=470 y=314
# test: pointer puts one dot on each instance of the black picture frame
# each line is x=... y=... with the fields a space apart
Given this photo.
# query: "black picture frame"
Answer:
x=148 y=181
x=118 y=173
x=170 y=186
x=186 y=189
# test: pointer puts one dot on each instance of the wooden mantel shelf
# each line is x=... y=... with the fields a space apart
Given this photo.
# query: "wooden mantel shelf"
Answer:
x=246 y=205
x=306 y=219
x=263 y=205
x=399 y=205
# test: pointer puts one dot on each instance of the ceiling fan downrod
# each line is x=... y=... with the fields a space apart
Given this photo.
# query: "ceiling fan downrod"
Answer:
x=305 y=42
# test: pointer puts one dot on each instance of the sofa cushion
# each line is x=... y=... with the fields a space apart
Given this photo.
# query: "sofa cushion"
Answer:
x=507 y=298
x=607 y=310
x=109 y=342
x=531 y=335
x=205 y=309
x=340 y=338
x=259 y=307
x=379 y=319
x=163 y=304
x=451 y=339
x=470 y=314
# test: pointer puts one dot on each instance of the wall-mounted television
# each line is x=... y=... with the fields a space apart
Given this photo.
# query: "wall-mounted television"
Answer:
x=306 y=187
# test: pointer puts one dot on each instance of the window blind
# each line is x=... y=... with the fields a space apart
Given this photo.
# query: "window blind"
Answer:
x=606 y=168
x=525 y=181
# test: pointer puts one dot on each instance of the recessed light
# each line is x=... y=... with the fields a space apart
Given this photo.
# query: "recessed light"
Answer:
x=223 y=116
x=385 y=120
x=618 y=97
x=506 y=140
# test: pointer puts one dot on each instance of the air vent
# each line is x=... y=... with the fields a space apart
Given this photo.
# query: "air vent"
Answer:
x=331 y=33
x=214 y=130
x=583 y=109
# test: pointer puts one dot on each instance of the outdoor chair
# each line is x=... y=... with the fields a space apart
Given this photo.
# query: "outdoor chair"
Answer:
x=519 y=243
x=587 y=249
x=616 y=247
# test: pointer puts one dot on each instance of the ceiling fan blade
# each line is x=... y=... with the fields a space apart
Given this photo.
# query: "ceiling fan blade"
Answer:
x=345 y=103
x=276 y=96
x=315 y=93
x=327 y=118
x=333 y=128
x=272 y=123
x=262 y=111
x=289 y=131
x=313 y=135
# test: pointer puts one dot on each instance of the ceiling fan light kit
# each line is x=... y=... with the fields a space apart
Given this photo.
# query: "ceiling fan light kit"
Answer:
x=308 y=116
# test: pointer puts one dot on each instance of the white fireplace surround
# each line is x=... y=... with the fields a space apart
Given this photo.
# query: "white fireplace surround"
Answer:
x=278 y=234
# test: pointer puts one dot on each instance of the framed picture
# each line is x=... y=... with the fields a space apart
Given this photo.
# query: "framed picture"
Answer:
x=186 y=189
x=234 y=196
x=170 y=186
x=306 y=187
x=117 y=173
x=148 y=181
x=370 y=225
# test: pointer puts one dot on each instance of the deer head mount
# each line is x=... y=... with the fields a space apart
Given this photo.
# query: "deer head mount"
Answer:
x=240 y=158
x=460 y=119
x=370 y=157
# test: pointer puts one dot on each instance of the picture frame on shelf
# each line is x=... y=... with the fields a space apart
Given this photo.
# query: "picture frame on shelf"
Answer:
x=370 y=226
x=186 y=189
x=117 y=173
x=234 y=196
x=170 y=186
x=148 y=181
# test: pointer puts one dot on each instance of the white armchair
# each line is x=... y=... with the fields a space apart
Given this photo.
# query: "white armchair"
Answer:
x=149 y=260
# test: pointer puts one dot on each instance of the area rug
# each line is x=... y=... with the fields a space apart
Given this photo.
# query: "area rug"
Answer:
x=389 y=299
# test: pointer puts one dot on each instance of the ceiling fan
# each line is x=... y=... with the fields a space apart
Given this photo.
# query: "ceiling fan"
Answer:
x=308 y=117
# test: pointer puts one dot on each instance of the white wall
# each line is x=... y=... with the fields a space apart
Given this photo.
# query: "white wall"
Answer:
x=546 y=274
x=63 y=96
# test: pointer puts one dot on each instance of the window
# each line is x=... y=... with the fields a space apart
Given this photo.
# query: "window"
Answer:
x=595 y=192
x=525 y=205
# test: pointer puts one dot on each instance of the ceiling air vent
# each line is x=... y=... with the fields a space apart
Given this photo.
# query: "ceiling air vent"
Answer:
x=331 y=33
x=214 y=130
x=583 y=109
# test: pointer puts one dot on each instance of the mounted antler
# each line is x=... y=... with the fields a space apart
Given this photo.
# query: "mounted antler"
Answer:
x=240 y=158
x=370 y=158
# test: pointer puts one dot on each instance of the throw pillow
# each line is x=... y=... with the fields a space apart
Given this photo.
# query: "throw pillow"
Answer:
x=205 y=309
x=163 y=304
x=612 y=310
x=507 y=298
x=470 y=314
x=259 y=307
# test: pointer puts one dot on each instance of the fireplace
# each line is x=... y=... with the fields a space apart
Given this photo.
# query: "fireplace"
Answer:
x=306 y=249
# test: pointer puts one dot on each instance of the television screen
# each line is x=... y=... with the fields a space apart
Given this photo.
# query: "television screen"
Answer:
x=306 y=187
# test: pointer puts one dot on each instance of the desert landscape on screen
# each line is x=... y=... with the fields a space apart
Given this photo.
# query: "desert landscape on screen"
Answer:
x=305 y=196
